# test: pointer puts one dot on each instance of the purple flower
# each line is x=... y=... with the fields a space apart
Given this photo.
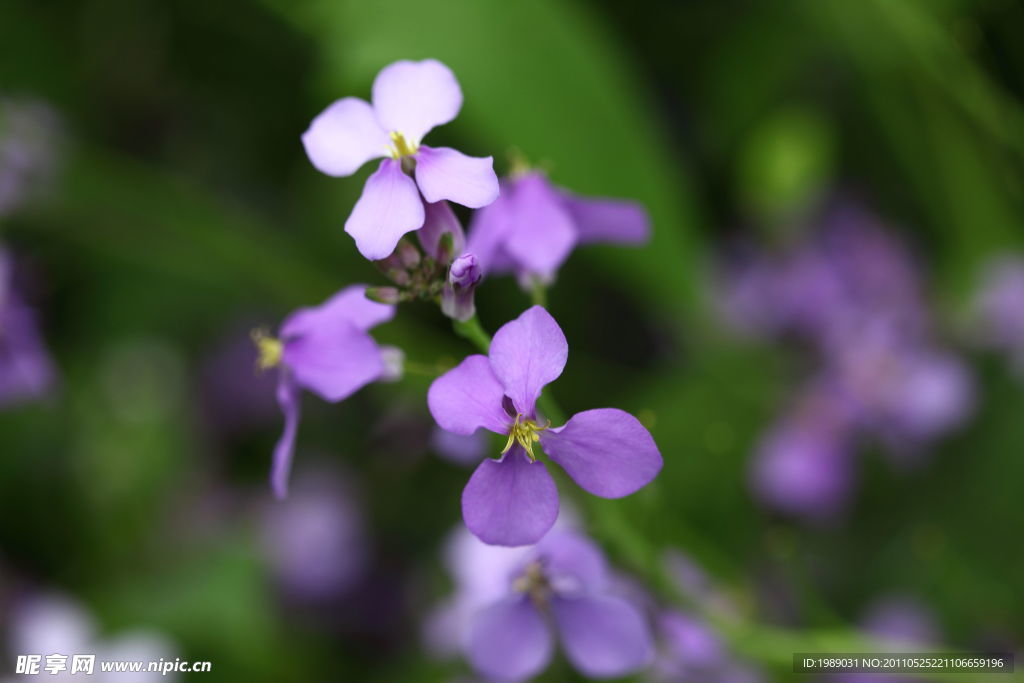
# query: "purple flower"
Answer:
x=315 y=541
x=513 y=501
x=457 y=297
x=409 y=99
x=533 y=226
x=26 y=371
x=326 y=350
x=441 y=236
x=562 y=584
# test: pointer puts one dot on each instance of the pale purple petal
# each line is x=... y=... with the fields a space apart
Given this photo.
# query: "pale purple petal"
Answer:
x=543 y=232
x=510 y=502
x=438 y=220
x=444 y=173
x=606 y=451
x=603 y=636
x=389 y=207
x=413 y=97
x=333 y=360
x=344 y=137
x=509 y=640
x=573 y=562
x=489 y=230
x=526 y=354
x=350 y=304
x=468 y=397
x=608 y=220
x=290 y=401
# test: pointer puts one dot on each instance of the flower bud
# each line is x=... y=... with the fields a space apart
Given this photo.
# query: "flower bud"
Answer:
x=384 y=295
x=408 y=254
x=463 y=277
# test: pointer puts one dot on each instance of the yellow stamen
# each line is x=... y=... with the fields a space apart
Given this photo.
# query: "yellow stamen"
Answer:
x=525 y=432
x=400 y=147
x=270 y=349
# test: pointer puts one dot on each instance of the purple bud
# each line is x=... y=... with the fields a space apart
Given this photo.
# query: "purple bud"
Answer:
x=457 y=297
x=384 y=295
x=408 y=254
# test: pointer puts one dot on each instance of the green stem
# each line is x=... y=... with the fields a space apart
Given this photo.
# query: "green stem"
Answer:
x=539 y=293
x=474 y=332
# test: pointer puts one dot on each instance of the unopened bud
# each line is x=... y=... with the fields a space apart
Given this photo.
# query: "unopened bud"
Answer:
x=384 y=295
x=408 y=254
x=457 y=297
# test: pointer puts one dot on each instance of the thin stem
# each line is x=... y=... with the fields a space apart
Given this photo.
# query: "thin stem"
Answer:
x=472 y=330
x=539 y=293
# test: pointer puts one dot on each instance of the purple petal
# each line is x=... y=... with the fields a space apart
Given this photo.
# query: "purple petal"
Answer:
x=389 y=207
x=444 y=173
x=603 y=637
x=490 y=229
x=468 y=397
x=543 y=233
x=608 y=220
x=333 y=360
x=574 y=563
x=344 y=137
x=511 y=501
x=606 y=451
x=439 y=219
x=26 y=370
x=509 y=640
x=526 y=354
x=350 y=305
x=289 y=400
x=413 y=97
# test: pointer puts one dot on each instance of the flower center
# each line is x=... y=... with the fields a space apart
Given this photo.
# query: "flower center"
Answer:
x=534 y=583
x=270 y=349
x=525 y=432
x=400 y=147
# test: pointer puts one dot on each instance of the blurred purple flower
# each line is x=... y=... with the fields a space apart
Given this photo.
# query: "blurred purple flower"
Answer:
x=513 y=501
x=53 y=624
x=29 y=141
x=315 y=540
x=441 y=236
x=999 y=306
x=26 y=371
x=326 y=350
x=803 y=465
x=563 y=584
x=457 y=297
x=533 y=226
x=463 y=449
x=409 y=100
x=898 y=624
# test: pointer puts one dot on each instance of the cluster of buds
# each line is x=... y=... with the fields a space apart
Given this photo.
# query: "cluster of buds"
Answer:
x=431 y=272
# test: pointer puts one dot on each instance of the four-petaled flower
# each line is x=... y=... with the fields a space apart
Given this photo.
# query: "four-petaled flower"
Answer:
x=409 y=99
x=562 y=583
x=329 y=351
x=513 y=501
x=533 y=227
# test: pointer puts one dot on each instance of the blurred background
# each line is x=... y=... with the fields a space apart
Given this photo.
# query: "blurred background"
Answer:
x=825 y=333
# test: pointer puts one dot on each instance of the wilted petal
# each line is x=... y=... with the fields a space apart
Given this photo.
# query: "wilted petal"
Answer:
x=511 y=501
x=389 y=207
x=606 y=451
x=608 y=220
x=350 y=305
x=444 y=173
x=509 y=640
x=543 y=232
x=413 y=97
x=344 y=137
x=333 y=360
x=290 y=401
x=438 y=220
x=468 y=397
x=603 y=636
x=526 y=354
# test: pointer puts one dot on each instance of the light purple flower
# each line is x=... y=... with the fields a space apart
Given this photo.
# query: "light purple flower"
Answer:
x=533 y=226
x=326 y=350
x=440 y=221
x=513 y=501
x=26 y=370
x=409 y=100
x=803 y=466
x=561 y=585
x=315 y=540
x=457 y=299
